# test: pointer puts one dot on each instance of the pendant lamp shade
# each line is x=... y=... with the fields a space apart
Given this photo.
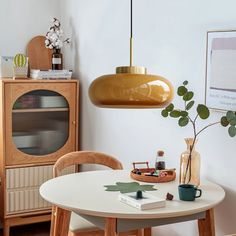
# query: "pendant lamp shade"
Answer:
x=129 y=90
x=131 y=87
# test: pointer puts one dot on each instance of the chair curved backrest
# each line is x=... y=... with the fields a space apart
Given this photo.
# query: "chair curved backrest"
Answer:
x=85 y=157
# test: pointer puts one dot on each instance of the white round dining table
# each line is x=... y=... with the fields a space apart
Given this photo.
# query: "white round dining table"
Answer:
x=84 y=193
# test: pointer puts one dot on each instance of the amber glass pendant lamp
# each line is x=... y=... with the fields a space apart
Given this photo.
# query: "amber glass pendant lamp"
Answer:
x=131 y=86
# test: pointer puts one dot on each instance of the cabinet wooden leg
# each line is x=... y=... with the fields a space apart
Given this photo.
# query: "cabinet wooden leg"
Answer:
x=147 y=232
x=60 y=222
x=206 y=226
x=110 y=227
x=140 y=232
x=6 y=229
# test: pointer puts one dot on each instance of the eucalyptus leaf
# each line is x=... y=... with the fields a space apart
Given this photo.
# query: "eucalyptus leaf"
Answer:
x=203 y=111
x=189 y=105
x=164 y=113
x=230 y=115
x=183 y=121
x=224 y=122
x=232 y=131
x=233 y=121
x=170 y=107
x=175 y=113
x=184 y=113
x=182 y=90
x=129 y=187
x=185 y=82
x=188 y=96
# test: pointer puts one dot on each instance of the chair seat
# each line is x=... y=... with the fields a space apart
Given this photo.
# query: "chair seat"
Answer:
x=78 y=223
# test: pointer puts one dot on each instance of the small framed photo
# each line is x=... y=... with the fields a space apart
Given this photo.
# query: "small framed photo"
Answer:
x=221 y=70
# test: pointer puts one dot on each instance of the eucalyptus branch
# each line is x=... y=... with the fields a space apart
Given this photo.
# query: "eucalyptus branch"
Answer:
x=203 y=113
x=195 y=119
x=193 y=124
x=215 y=123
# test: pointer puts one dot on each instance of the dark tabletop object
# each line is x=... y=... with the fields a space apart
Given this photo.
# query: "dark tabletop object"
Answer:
x=169 y=197
x=139 y=194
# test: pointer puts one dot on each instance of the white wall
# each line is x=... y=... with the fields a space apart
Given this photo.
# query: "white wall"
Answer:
x=22 y=20
x=170 y=39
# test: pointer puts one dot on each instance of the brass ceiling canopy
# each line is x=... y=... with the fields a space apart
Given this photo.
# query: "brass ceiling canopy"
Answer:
x=131 y=87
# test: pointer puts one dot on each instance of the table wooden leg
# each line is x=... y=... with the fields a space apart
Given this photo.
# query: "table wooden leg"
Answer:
x=61 y=222
x=206 y=226
x=147 y=232
x=110 y=227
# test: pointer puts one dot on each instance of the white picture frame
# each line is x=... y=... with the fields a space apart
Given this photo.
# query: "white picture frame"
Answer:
x=220 y=93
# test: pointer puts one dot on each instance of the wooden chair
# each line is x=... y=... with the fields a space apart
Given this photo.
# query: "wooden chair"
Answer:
x=77 y=225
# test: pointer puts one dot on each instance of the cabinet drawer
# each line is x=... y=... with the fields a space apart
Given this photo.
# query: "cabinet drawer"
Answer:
x=22 y=187
x=27 y=176
x=25 y=200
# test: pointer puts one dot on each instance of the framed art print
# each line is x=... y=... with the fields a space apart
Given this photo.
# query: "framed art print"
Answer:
x=221 y=70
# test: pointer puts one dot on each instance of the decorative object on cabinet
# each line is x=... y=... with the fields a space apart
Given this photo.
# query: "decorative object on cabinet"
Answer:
x=50 y=74
x=55 y=42
x=131 y=86
x=39 y=56
x=151 y=175
x=39 y=124
x=190 y=160
x=221 y=69
x=6 y=67
x=20 y=68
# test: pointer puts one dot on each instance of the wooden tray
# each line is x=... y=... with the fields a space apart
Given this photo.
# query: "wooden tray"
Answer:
x=164 y=175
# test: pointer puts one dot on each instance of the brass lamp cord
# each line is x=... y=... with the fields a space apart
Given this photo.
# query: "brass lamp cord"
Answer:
x=131 y=32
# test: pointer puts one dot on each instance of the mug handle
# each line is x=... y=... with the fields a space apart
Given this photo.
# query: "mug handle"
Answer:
x=200 y=193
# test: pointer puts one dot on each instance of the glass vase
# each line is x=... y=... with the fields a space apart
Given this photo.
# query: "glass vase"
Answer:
x=190 y=164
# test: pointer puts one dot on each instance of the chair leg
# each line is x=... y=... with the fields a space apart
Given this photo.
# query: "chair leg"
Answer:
x=60 y=222
x=137 y=232
x=147 y=232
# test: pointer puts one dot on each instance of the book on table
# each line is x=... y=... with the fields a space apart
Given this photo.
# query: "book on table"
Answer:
x=148 y=201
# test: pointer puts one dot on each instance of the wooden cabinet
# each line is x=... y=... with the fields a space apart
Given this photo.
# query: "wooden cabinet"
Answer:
x=38 y=124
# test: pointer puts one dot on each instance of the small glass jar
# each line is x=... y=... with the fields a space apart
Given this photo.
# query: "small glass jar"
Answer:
x=190 y=165
x=57 y=59
x=160 y=161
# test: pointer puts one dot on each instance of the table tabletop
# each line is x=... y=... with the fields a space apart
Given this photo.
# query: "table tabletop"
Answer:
x=84 y=193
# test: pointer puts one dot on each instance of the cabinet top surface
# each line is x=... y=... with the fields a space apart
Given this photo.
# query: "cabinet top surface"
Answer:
x=11 y=80
x=84 y=193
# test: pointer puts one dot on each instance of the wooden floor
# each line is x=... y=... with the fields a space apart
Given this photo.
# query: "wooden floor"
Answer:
x=41 y=229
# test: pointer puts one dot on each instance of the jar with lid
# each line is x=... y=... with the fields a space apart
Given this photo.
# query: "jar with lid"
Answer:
x=160 y=161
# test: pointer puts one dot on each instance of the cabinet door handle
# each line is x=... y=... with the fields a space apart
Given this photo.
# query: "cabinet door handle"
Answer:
x=73 y=122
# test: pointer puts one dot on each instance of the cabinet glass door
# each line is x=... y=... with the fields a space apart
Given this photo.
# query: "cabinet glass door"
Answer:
x=40 y=122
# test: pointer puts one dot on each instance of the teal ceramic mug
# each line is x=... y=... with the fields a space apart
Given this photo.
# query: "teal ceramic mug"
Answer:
x=188 y=192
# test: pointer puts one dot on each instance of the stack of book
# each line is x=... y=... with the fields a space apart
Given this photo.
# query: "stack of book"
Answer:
x=50 y=74
x=147 y=202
